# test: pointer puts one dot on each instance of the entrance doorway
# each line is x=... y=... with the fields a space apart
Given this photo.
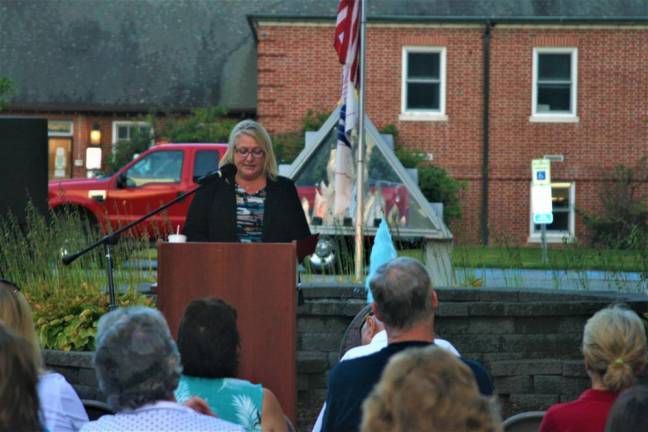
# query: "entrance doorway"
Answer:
x=59 y=163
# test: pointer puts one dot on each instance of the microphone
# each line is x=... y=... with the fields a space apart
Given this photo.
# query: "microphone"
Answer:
x=227 y=172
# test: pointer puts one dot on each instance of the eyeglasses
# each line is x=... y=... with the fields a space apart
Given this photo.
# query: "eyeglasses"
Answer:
x=255 y=152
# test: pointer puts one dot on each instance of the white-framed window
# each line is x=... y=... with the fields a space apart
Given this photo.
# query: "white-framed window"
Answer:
x=555 y=83
x=123 y=130
x=563 y=228
x=423 y=83
x=60 y=128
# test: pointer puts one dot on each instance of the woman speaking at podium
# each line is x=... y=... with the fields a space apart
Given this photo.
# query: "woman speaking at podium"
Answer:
x=249 y=201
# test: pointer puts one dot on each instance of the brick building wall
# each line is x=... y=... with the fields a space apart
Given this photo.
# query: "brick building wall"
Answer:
x=298 y=70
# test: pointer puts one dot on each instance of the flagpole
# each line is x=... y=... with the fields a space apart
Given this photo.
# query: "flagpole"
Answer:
x=359 y=234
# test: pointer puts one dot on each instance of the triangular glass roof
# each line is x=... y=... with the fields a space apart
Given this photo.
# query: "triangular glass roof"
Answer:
x=389 y=190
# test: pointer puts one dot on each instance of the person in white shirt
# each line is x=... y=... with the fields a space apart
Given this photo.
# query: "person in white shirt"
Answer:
x=60 y=406
x=138 y=368
x=373 y=338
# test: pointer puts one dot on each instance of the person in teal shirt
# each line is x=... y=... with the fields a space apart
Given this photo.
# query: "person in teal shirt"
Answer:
x=208 y=341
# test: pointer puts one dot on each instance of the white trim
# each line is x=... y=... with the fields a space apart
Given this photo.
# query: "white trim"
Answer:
x=61 y=134
x=555 y=117
x=118 y=123
x=422 y=116
x=424 y=113
x=557 y=236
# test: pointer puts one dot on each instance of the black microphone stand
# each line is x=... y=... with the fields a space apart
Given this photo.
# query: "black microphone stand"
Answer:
x=113 y=238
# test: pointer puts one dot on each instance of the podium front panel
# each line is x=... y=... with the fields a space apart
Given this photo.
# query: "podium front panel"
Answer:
x=259 y=281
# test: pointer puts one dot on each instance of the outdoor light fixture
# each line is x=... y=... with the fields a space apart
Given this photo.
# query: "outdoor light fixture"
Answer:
x=93 y=151
x=95 y=135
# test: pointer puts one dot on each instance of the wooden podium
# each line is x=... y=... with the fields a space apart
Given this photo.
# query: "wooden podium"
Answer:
x=259 y=281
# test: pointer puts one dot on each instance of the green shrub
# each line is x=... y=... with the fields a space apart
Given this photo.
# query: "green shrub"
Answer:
x=288 y=145
x=204 y=125
x=435 y=182
x=66 y=300
x=623 y=220
x=6 y=91
x=140 y=140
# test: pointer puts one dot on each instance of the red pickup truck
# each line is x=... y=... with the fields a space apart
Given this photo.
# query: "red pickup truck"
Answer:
x=163 y=172
x=155 y=177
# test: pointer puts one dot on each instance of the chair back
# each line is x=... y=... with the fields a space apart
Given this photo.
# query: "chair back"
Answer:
x=528 y=421
x=95 y=408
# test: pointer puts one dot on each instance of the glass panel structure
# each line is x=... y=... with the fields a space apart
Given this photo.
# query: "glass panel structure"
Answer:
x=386 y=192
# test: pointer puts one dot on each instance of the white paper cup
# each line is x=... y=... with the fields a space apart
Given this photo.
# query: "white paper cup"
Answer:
x=177 y=238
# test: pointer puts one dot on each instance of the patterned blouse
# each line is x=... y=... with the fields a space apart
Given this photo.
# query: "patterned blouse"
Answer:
x=249 y=215
x=231 y=399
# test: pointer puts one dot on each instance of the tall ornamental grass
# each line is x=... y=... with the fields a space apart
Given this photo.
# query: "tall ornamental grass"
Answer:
x=67 y=301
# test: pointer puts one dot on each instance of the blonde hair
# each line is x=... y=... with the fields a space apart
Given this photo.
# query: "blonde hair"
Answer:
x=260 y=135
x=614 y=346
x=16 y=315
x=428 y=389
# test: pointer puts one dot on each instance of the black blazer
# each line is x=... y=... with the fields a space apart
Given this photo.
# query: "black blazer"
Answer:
x=212 y=214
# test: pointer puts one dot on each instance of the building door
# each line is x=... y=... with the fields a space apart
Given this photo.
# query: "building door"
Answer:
x=59 y=165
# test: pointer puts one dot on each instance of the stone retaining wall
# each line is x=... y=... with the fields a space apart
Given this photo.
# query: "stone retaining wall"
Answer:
x=528 y=340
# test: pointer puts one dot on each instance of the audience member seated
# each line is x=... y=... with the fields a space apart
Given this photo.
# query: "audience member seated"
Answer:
x=428 y=389
x=629 y=412
x=61 y=407
x=404 y=302
x=373 y=338
x=614 y=348
x=19 y=405
x=138 y=368
x=208 y=341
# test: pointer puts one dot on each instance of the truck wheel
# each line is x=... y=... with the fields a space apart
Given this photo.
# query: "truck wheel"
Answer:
x=325 y=257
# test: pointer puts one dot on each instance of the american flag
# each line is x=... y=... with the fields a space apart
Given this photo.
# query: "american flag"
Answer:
x=347 y=39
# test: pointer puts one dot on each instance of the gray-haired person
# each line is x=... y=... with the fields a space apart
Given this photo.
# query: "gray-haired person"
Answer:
x=405 y=303
x=138 y=368
x=255 y=204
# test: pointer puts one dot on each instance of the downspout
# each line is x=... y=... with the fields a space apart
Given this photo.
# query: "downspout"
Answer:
x=485 y=128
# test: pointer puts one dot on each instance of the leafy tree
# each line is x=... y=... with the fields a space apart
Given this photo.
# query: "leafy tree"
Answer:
x=623 y=219
x=205 y=125
x=435 y=182
x=288 y=145
x=140 y=140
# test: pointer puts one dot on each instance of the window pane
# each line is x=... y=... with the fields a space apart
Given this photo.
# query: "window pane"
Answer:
x=554 y=97
x=554 y=67
x=122 y=132
x=423 y=96
x=560 y=199
x=206 y=161
x=158 y=167
x=423 y=65
x=560 y=223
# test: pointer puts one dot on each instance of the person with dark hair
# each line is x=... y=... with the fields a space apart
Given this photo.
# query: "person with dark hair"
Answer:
x=614 y=349
x=19 y=405
x=209 y=342
x=629 y=412
x=138 y=368
x=61 y=407
x=404 y=302
x=255 y=204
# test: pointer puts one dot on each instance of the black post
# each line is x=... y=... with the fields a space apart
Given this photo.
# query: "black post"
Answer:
x=485 y=131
